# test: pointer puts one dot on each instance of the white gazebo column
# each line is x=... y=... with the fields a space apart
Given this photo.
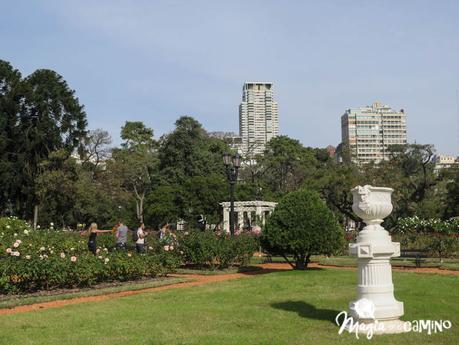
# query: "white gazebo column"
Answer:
x=375 y=292
x=226 y=219
x=240 y=218
x=259 y=215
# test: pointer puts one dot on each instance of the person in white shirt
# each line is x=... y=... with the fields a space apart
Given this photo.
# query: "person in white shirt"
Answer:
x=140 y=243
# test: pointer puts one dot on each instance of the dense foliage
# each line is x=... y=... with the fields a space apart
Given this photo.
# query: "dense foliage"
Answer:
x=302 y=225
x=209 y=249
x=439 y=237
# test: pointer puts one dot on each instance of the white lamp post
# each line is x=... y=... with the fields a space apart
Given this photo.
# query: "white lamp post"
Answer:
x=375 y=292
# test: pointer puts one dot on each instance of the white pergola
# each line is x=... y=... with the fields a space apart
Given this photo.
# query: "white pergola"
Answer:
x=252 y=211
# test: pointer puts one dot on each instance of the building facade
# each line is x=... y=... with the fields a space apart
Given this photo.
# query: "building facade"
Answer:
x=233 y=140
x=367 y=132
x=258 y=117
x=444 y=161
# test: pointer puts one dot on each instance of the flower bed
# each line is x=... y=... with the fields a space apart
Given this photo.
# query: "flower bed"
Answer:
x=49 y=259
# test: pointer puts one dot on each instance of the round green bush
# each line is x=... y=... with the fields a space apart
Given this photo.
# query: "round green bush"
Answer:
x=302 y=225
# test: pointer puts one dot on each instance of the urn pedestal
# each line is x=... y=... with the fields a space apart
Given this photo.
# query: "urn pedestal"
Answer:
x=375 y=301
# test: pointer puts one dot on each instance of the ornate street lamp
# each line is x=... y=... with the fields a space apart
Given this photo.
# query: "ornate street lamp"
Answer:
x=232 y=164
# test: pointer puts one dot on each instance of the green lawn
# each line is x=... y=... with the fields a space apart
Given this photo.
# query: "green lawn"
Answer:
x=451 y=264
x=47 y=296
x=289 y=307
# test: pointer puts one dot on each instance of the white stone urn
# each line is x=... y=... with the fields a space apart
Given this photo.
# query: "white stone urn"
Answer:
x=373 y=249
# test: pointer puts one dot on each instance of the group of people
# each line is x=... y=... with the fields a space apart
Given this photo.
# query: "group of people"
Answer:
x=121 y=232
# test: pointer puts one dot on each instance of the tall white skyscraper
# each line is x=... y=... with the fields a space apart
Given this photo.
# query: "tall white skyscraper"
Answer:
x=258 y=117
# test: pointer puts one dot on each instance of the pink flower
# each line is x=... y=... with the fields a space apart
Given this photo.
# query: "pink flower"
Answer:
x=166 y=248
x=16 y=244
x=8 y=250
x=15 y=253
x=256 y=231
x=171 y=247
x=63 y=255
x=73 y=259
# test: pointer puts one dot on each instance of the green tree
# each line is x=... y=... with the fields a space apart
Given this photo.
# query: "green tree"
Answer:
x=164 y=204
x=56 y=189
x=41 y=115
x=188 y=151
x=452 y=192
x=302 y=225
x=191 y=162
x=286 y=164
x=95 y=150
x=11 y=96
x=136 y=163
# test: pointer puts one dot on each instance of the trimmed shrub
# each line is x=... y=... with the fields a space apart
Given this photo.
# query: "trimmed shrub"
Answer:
x=302 y=225
x=208 y=249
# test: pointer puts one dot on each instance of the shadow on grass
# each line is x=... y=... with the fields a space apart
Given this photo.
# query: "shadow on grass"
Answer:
x=272 y=269
x=307 y=310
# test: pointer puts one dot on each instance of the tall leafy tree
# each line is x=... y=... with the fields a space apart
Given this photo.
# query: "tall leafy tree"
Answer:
x=43 y=115
x=286 y=164
x=51 y=119
x=136 y=163
x=188 y=151
x=95 y=149
x=11 y=97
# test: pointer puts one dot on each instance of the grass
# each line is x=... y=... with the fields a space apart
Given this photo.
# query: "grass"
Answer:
x=48 y=296
x=291 y=307
x=209 y=272
x=452 y=264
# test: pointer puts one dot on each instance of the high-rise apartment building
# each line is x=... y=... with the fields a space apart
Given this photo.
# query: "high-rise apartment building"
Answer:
x=258 y=117
x=367 y=132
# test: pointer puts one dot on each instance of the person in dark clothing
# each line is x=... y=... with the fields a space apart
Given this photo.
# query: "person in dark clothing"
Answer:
x=201 y=225
x=92 y=234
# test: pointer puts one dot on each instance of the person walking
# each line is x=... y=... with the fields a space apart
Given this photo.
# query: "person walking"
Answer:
x=140 y=243
x=92 y=236
x=121 y=236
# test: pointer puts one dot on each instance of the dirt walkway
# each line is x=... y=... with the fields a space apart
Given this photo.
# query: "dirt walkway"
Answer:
x=197 y=280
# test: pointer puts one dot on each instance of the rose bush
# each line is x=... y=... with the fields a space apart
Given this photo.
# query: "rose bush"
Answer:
x=209 y=249
x=48 y=259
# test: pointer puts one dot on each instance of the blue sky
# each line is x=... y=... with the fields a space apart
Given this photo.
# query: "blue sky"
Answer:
x=154 y=61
